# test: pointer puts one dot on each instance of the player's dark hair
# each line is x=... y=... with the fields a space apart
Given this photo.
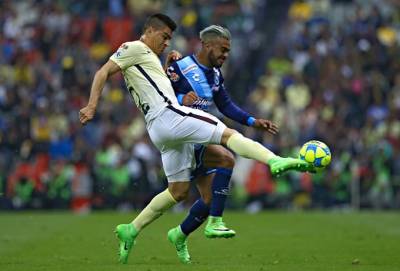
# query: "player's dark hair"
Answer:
x=158 y=21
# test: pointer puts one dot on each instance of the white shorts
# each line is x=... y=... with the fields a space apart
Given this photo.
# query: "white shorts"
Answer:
x=175 y=131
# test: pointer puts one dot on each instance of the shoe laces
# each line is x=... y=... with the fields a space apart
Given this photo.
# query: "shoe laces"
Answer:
x=220 y=225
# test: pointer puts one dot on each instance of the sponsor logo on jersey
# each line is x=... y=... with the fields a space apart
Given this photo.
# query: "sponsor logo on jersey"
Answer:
x=189 y=68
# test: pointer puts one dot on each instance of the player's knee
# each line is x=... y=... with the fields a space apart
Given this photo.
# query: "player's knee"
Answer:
x=227 y=160
x=207 y=198
x=180 y=194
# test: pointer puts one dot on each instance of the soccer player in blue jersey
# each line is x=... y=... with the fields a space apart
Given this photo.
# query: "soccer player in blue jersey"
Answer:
x=198 y=82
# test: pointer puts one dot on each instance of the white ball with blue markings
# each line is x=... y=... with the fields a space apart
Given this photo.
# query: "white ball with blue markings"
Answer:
x=316 y=153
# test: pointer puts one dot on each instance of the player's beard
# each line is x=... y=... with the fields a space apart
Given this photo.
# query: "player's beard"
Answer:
x=213 y=60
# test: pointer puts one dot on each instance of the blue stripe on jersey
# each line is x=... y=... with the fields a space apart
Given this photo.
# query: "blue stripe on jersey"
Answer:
x=196 y=77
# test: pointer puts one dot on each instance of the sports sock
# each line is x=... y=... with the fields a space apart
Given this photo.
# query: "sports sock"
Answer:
x=157 y=206
x=248 y=148
x=220 y=190
x=197 y=214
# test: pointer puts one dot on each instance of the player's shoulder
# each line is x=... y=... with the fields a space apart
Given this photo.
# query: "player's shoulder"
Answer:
x=136 y=45
x=185 y=64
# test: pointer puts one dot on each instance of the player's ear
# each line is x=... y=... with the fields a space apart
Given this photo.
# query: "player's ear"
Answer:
x=149 y=30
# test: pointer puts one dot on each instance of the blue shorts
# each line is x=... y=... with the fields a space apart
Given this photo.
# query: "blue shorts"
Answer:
x=200 y=169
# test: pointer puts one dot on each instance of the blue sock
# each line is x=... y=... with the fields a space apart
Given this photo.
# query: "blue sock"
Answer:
x=220 y=190
x=197 y=214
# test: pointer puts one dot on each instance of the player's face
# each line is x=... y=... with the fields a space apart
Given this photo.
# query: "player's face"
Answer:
x=219 y=52
x=159 y=39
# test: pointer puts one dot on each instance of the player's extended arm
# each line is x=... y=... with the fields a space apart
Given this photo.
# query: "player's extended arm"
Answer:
x=232 y=111
x=100 y=78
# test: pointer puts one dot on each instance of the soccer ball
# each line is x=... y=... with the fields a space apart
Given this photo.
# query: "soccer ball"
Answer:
x=316 y=153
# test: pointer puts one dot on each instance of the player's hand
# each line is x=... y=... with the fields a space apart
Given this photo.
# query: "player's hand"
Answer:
x=189 y=98
x=267 y=125
x=172 y=56
x=86 y=114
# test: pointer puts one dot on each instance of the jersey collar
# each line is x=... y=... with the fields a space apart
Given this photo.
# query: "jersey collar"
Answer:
x=199 y=64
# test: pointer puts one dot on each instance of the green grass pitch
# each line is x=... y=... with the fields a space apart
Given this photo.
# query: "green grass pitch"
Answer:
x=268 y=241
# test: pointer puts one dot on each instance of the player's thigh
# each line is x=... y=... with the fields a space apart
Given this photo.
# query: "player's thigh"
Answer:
x=197 y=126
x=204 y=183
x=218 y=156
x=177 y=162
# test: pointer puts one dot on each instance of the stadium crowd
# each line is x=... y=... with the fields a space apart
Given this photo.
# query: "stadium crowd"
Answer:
x=334 y=76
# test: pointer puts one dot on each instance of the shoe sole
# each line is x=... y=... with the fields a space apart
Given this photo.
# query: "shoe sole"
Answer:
x=215 y=236
x=298 y=166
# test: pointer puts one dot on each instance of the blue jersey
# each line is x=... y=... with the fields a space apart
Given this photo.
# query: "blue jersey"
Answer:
x=187 y=74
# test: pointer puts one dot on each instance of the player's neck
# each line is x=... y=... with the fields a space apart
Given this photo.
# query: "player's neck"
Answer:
x=146 y=41
x=203 y=59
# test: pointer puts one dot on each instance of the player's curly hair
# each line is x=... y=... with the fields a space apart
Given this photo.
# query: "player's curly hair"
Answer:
x=214 y=31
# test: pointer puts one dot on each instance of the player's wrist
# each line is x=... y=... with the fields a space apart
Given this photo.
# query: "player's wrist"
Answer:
x=180 y=98
x=251 y=121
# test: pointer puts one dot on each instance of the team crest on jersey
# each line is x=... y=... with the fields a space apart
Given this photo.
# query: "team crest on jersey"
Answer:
x=196 y=77
x=174 y=76
x=216 y=77
x=123 y=46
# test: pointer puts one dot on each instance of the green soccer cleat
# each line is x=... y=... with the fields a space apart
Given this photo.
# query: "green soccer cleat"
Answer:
x=126 y=234
x=216 y=228
x=279 y=165
x=178 y=239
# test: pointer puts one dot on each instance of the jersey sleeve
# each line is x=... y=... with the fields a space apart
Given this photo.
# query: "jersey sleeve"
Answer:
x=128 y=54
x=227 y=107
x=179 y=83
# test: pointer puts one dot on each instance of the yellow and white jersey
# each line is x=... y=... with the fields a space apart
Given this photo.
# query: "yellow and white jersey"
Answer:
x=145 y=78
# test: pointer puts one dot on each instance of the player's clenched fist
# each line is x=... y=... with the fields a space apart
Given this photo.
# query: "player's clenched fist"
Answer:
x=189 y=98
x=86 y=114
x=171 y=57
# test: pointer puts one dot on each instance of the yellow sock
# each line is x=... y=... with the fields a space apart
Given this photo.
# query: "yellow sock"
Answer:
x=248 y=148
x=157 y=206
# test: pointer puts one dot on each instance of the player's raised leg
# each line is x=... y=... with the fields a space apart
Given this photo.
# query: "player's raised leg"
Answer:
x=248 y=148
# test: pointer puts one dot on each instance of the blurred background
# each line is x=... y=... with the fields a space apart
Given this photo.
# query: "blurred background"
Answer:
x=321 y=69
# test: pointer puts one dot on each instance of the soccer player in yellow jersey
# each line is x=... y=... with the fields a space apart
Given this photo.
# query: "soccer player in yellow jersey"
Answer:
x=174 y=129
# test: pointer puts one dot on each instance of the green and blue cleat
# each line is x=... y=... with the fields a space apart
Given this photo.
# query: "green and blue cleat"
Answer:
x=279 y=165
x=216 y=228
x=126 y=234
x=179 y=240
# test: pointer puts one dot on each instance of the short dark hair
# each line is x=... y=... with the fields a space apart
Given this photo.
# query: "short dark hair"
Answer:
x=158 y=21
